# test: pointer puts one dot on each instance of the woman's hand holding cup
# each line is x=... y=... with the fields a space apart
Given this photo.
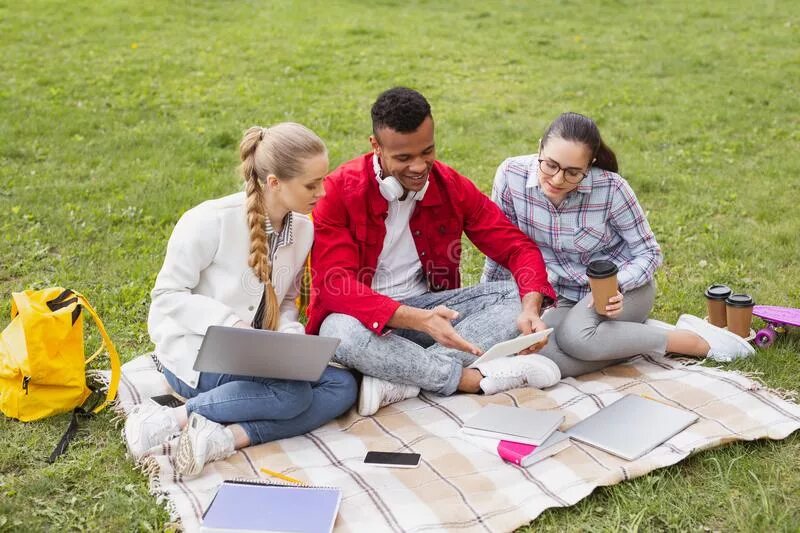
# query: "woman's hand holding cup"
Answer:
x=602 y=276
x=614 y=307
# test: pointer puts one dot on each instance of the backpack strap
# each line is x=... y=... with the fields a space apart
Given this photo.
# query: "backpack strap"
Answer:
x=69 y=434
x=116 y=368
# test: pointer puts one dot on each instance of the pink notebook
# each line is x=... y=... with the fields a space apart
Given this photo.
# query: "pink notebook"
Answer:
x=527 y=454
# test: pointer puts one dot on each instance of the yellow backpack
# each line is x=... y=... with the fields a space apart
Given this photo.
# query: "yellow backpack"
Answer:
x=42 y=361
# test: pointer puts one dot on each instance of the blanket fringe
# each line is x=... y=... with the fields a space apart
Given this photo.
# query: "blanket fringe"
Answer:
x=757 y=377
x=149 y=467
x=685 y=361
x=788 y=395
x=119 y=414
x=103 y=377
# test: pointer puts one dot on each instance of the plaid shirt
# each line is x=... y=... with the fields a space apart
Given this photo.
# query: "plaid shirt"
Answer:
x=601 y=219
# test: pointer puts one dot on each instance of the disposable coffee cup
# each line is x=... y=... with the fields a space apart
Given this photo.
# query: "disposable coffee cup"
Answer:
x=739 y=313
x=715 y=299
x=603 y=282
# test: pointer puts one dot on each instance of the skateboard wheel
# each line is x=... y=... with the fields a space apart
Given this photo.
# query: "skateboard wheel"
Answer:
x=765 y=337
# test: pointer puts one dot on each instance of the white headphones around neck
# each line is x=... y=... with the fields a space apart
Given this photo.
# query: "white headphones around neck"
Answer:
x=391 y=188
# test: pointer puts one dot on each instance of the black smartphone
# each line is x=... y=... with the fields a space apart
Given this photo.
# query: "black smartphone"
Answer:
x=392 y=459
x=167 y=400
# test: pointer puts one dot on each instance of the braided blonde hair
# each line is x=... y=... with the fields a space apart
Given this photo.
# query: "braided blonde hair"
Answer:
x=279 y=150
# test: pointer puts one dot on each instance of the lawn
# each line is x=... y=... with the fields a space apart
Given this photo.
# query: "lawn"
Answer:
x=115 y=117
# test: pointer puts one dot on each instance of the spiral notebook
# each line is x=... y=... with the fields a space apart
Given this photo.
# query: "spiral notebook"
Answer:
x=257 y=505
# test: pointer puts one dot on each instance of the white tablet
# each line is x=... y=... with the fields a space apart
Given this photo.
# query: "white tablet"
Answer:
x=511 y=347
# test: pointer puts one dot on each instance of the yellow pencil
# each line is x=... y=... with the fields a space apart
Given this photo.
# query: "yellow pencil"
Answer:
x=646 y=397
x=280 y=476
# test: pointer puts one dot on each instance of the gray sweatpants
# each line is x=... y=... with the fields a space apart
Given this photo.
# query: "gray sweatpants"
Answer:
x=487 y=315
x=584 y=341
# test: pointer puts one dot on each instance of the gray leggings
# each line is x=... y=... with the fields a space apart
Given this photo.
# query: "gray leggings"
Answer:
x=584 y=341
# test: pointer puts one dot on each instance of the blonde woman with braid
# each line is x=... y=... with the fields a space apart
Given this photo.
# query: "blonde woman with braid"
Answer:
x=237 y=261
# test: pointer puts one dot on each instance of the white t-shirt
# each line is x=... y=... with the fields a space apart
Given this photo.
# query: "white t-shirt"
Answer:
x=399 y=272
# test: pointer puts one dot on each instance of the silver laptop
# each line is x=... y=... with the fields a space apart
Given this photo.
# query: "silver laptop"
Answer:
x=264 y=353
x=632 y=426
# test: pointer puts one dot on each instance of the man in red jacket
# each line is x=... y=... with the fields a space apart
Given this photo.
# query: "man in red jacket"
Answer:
x=385 y=269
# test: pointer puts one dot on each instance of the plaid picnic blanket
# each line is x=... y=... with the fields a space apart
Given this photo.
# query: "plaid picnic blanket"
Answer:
x=461 y=483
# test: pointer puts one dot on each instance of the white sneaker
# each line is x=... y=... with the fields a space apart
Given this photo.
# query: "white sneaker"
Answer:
x=518 y=371
x=376 y=393
x=659 y=324
x=724 y=345
x=201 y=442
x=147 y=426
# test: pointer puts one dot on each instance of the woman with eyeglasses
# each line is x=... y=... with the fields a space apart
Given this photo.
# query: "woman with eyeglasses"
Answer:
x=570 y=200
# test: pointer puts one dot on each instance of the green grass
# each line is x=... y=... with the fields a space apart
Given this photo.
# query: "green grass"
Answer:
x=115 y=117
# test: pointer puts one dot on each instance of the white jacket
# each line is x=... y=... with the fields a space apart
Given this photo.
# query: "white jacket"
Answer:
x=206 y=281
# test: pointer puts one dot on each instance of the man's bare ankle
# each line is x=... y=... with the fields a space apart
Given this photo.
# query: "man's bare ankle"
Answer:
x=470 y=380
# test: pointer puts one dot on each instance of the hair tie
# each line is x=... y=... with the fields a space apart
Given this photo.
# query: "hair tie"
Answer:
x=264 y=132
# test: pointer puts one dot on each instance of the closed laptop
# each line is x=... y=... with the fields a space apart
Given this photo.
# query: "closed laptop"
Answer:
x=632 y=426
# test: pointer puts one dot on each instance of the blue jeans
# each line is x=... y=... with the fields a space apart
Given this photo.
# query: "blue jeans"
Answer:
x=269 y=409
x=487 y=315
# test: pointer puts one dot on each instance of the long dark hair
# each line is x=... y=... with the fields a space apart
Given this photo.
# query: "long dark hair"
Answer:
x=579 y=128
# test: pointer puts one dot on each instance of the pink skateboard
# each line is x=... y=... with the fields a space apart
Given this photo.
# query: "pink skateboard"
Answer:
x=777 y=318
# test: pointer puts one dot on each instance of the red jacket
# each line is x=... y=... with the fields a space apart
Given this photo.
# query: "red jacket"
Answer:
x=349 y=231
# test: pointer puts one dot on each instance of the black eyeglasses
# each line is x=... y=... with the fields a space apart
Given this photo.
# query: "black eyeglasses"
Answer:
x=571 y=175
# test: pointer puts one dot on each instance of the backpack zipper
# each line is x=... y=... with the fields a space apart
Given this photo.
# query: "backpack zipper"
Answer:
x=25 y=380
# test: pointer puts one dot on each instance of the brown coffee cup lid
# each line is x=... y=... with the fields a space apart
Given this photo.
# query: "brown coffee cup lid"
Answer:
x=740 y=300
x=601 y=269
x=718 y=292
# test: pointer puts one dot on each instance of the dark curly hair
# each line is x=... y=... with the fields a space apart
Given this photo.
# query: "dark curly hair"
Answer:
x=400 y=109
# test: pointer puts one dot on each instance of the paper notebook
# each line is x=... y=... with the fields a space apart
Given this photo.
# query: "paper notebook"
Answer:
x=517 y=424
x=257 y=505
x=526 y=454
